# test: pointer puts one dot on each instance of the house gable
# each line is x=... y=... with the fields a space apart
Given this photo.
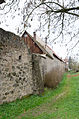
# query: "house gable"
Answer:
x=32 y=45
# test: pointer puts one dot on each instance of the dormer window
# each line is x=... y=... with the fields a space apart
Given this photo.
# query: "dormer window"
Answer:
x=25 y=35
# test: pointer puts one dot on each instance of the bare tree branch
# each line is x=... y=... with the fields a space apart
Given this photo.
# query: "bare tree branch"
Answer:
x=74 y=46
x=58 y=18
x=2 y=1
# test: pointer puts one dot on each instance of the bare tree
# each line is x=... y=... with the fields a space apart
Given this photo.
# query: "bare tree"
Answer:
x=59 y=17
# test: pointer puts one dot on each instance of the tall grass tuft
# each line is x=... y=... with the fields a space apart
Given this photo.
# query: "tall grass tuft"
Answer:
x=53 y=78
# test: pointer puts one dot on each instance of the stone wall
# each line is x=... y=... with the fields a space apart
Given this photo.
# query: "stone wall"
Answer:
x=53 y=71
x=18 y=75
x=38 y=87
x=23 y=73
x=49 y=70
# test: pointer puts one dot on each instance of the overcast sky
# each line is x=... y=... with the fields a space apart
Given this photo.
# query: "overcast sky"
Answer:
x=12 y=22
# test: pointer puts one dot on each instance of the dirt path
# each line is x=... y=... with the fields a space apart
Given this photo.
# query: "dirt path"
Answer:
x=70 y=76
x=44 y=108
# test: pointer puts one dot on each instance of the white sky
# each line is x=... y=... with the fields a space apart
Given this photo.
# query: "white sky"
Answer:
x=12 y=21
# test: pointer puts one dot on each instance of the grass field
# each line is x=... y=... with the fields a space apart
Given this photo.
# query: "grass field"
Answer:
x=60 y=103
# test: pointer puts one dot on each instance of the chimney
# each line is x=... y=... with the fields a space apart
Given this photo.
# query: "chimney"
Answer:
x=45 y=42
x=34 y=35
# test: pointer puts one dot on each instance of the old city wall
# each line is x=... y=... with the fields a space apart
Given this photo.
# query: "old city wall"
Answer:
x=53 y=71
x=16 y=70
x=37 y=74
x=23 y=73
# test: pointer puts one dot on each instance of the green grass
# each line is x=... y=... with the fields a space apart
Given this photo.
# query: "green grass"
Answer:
x=60 y=103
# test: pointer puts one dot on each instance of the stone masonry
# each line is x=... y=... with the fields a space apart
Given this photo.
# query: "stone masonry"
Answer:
x=17 y=69
x=22 y=72
x=38 y=87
